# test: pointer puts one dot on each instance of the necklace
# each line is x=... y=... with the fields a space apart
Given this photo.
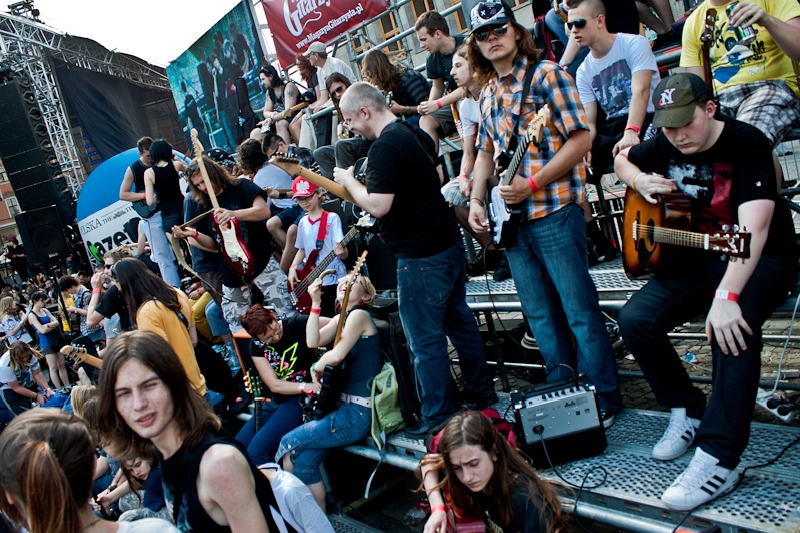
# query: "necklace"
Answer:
x=92 y=523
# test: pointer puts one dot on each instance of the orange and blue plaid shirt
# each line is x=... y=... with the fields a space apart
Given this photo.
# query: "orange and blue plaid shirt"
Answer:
x=500 y=104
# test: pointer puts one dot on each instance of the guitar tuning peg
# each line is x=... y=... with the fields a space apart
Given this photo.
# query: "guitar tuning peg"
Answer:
x=734 y=259
x=735 y=228
x=725 y=227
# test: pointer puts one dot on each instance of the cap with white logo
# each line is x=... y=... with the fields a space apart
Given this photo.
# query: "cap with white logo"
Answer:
x=675 y=99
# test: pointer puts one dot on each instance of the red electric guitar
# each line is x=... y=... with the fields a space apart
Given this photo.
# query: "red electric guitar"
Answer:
x=234 y=250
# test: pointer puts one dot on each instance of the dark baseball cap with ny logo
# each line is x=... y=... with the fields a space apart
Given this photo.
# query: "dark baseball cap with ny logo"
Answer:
x=675 y=99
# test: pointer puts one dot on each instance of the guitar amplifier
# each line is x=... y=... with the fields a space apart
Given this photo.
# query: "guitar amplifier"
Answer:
x=565 y=415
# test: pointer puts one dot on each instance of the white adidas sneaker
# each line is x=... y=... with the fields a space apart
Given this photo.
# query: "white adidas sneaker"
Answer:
x=703 y=480
x=678 y=436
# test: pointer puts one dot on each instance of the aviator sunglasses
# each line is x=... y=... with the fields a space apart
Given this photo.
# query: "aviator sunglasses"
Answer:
x=579 y=23
x=483 y=34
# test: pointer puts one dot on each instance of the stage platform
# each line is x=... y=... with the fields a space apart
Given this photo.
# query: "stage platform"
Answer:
x=768 y=500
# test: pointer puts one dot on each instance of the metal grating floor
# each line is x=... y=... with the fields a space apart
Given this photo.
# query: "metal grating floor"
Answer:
x=345 y=524
x=768 y=500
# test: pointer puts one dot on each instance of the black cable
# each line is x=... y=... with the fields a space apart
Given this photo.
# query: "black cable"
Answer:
x=574 y=374
x=741 y=479
x=580 y=487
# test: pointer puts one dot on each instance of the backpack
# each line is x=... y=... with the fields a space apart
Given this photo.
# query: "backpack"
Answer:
x=386 y=414
x=394 y=348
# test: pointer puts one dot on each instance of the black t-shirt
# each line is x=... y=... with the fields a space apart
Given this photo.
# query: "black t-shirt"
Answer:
x=202 y=261
x=412 y=89
x=419 y=223
x=19 y=264
x=254 y=234
x=622 y=16
x=138 y=168
x=113 y=303
x=438 y=65
x=526 y=517
x=737 y=169
x=167 y=184
x=290 y=357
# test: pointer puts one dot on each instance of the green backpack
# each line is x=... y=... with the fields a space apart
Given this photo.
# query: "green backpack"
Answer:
x=386 y=414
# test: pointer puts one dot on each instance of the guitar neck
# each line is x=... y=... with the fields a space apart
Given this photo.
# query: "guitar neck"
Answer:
x=199 y=151
x=511 y=171
x=330 y=185
x=676 y=237
x=320 y=268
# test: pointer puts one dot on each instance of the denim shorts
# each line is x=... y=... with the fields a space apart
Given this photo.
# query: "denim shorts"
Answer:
x=309 y=444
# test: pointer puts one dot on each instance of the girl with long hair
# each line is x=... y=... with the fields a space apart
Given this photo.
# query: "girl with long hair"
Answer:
x=44 y=322
x=483 y=473
x=12 y=320
x=302 y=450
x=162 y=183
x=281 y=96
x=408 y=87
x=46 y=462
x=155 y=306
x=19 y=374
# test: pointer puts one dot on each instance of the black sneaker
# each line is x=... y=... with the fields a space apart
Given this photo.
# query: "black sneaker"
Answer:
x=503 y=271
x=608 y=418
x=420 y=430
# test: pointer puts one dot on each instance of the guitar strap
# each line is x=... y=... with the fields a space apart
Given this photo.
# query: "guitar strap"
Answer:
x=323 y=229
x=512 y=144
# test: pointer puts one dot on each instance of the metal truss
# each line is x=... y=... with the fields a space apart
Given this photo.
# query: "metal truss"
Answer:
x=25 y=45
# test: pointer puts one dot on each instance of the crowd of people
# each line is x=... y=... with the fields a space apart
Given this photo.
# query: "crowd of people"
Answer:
x=146 y=445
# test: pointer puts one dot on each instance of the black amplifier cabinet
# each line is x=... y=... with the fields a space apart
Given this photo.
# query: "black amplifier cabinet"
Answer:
x=565 y=414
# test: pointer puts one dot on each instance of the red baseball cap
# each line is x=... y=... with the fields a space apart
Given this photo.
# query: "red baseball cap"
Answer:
x=302 y=188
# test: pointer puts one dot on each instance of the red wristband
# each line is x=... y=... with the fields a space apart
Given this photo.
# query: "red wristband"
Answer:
x=439 y=508
x=726 y=295
x=97 y=291
x=463 y=177
x=439 y=104
x=144 y=196
x=315 y=310
x=196 y=234
x=532 y=182
x=633 y=127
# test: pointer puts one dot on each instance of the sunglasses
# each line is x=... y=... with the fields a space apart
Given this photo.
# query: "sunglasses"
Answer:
x=483 y=34
x=579 y=23
x=339 y=90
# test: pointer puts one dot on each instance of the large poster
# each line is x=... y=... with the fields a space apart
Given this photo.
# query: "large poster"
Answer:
x=295 y=24
x=215 y=82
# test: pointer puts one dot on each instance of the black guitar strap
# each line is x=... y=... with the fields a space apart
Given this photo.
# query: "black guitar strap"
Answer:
x=512 y=144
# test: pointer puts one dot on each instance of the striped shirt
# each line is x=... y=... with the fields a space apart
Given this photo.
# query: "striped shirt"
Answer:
x=500 y=104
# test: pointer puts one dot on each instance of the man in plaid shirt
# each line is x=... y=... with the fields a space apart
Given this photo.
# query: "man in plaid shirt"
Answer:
x=548 y=258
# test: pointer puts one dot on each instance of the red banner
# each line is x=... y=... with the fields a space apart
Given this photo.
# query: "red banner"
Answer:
x=295 y=24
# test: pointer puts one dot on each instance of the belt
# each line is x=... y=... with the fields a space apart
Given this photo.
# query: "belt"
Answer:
x=358 y=400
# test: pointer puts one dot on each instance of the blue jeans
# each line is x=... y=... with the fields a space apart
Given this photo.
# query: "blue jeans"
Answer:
x=309 y=444
x=161 y=250
x=669 y=300
x=550 y=269
x=277 y=419
x=433 y=306
x=216 y=320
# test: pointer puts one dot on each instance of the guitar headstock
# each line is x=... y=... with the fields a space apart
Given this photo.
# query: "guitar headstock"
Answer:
x=197 y=145
x=290 y=164
x=536 y=127
x=253 y=382
x=76 y=354
x=389 y=98
x=733 y=244
x=710 y=27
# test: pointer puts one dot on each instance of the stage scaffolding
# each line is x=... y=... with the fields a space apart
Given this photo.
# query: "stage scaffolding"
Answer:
x=25 y=45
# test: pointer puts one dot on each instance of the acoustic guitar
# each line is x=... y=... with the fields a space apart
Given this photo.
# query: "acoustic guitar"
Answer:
x=333 y=378
x=78 y=354
x=649 y=230
x=707 y=38
x=266 y=124
x=504 y=218
x=234 y=250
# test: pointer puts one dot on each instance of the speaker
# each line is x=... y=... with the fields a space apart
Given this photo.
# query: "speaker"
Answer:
x=27 y=153
x=42 y=235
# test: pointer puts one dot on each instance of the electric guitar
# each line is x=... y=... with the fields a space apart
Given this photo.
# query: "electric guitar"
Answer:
x=333 y=378
x=649 y=230
x=503 y=218
x=291 y=165
x=266 y=124
x=78 y=354
x=252 y=382
x=234 y=250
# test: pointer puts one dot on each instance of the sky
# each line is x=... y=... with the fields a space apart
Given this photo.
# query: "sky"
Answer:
x=157 y=31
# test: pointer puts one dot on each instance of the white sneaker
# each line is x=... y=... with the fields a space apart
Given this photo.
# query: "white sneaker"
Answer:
x=678 y=436
x=702 y=481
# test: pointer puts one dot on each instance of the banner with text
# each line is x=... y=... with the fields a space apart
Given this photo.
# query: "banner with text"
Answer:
x=295 y=24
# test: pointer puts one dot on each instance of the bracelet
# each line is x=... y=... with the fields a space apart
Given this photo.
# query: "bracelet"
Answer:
x=196 y=234
x=302 y=387
x=633 y=127
x=97 y=291
x=144 y=196
x=439 y=104
x=315 y=310
x=639 y=175
x=532 y=182
x=477 y=200
x=294 y=265
x=463 y=177
x=441 y=507
x=726 y=295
